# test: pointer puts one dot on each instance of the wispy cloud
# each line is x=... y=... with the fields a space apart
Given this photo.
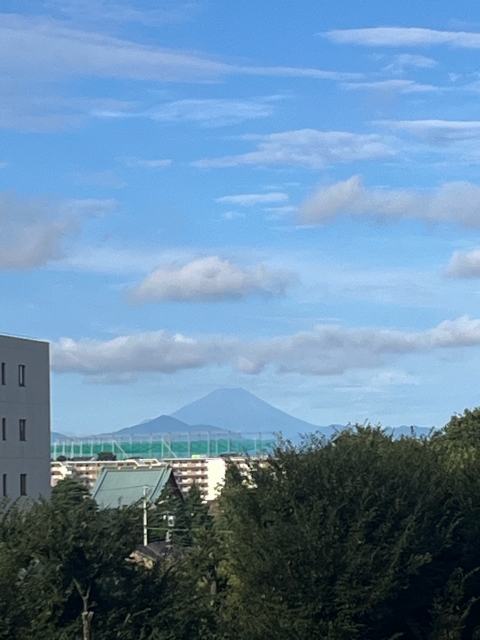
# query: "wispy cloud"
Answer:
x=252 y=199
x=233 y=215
x=210 y=279
x=391 y=86
x=306 y=147
x=38 y=51
x=325 y=350
x=438 y=132
x=404 y=37
x=454 y=202
x=206 y=112
x=403 y=60
x=28 y=104
x=116 y=11
x=33 y=228
x=214 y=113
x=464 y=264
x=41 y=48
x=296 y=72
x=147 y=164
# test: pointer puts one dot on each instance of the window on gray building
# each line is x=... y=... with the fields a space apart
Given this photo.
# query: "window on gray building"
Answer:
x=21 y=375
x=4 y=428
x=23 y=484
x=22 y=428
x=4 y=373
x=4 y=485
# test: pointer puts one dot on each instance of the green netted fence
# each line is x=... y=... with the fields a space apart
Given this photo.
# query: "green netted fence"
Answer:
x=165 y=446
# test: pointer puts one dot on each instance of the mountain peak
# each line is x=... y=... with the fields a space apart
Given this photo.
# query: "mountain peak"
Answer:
x=237 y=409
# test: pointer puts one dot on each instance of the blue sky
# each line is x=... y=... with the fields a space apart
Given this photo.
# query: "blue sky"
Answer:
x=279 y=197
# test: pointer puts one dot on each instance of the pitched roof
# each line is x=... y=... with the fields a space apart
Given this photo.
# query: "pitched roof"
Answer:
x=123 y=487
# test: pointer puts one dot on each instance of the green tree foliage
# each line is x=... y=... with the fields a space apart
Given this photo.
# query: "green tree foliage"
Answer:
x=106 y=455
x=464 y=429
x=359 y=538
x=362 y=537
x=68 y=494
x=460 y=438
x=181 y=517
x=65 y=557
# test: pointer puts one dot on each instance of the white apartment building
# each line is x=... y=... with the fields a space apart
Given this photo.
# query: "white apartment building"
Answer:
x=24 y=418
x=87 y=471
x=207 y=473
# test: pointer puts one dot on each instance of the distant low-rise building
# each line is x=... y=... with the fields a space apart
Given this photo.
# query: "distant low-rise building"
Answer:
x=87 y=470
x=124 y=487
x=24 y=418
x=208 y=474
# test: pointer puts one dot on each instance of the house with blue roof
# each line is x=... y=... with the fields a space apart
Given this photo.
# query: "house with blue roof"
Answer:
x=124 y=487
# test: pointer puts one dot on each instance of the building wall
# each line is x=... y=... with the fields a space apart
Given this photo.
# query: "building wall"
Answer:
x=216 y=468
x=31 y=403
x=207 y=473
x=88 y=471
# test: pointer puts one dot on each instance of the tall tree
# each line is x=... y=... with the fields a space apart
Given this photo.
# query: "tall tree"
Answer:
x=362 y=537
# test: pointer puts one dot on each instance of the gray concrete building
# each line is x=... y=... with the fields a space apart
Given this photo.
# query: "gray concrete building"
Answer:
x=24 y=418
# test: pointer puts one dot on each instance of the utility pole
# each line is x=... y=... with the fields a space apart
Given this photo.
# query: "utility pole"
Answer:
x=170 y=524
x=145 y=516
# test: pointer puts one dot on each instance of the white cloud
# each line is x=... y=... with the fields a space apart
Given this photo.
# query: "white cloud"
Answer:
x=438 y=132
x=306 y=147
x=404 y=37
x=35 y=47
x=464 y=264
x=457 y=202
x=37 y=51
x=210 y=280
x=3 y=165
x=252 y=199
x=326 y=350
x=154 y=351
x=38 y=47
x=393 y=86
x=32 y=229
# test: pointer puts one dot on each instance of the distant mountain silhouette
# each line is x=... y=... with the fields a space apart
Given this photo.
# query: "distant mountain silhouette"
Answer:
x=166 y=424
x=403 y=430
x=55 y=436
x=239 y=410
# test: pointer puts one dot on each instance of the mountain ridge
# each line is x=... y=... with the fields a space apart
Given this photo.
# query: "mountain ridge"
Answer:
x=237 y=411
